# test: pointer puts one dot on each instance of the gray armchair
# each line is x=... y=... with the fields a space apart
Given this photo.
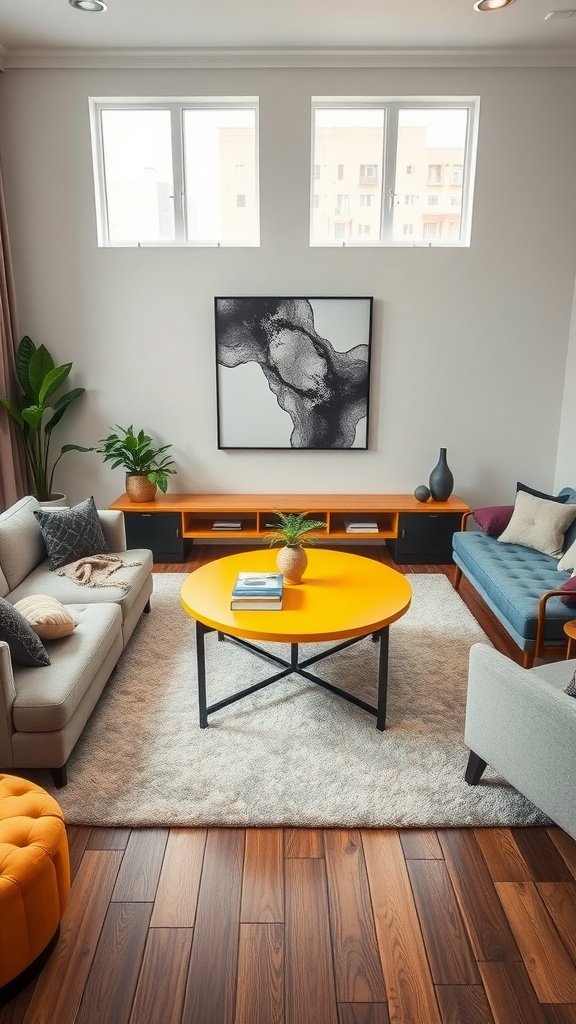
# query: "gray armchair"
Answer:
x=521 y=723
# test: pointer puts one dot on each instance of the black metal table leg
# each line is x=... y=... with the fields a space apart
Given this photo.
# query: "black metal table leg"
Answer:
x=201 y=661
x=382 y=678
x=294 y=656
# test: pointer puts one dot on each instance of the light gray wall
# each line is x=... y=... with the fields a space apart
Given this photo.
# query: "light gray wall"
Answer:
x=469 y=345
x=566 y=461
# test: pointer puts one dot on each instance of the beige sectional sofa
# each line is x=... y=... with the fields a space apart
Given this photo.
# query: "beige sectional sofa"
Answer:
x=44 y=710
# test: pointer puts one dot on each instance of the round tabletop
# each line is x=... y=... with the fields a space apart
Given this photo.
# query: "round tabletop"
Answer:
x=341 y=596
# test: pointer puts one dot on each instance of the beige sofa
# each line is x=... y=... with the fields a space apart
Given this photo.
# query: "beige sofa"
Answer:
x=44 y=710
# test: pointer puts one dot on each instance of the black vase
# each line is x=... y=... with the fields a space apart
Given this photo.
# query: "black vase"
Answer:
x=441 y=479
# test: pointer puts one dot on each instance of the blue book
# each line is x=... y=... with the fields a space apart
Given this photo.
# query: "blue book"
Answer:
x=259 y=584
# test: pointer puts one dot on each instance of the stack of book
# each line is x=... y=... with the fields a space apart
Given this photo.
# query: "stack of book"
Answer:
x=356 y=526
x=257 y=591
x=227 y=524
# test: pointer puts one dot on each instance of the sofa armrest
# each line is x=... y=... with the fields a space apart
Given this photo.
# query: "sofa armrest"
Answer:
x=7 y=698
x=524 y=727
x=114 y=529
x=465 y=518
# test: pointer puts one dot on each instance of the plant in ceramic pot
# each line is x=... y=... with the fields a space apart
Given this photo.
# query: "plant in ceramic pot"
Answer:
x=37 y=413
x=291 y=533
x=147 y=466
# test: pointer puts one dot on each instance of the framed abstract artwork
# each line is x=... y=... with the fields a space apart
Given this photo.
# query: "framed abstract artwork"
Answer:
x=293 y=372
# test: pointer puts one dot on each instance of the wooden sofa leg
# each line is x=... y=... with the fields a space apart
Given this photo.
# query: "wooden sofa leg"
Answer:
x=147 y=606
x=59 y=776
x=474 y=769
x=528 y=658
x=457 y=577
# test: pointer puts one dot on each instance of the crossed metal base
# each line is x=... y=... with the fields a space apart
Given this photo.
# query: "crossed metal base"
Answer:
x=288 y=667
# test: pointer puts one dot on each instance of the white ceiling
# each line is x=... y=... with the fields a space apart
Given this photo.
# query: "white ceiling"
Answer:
x=183 y=24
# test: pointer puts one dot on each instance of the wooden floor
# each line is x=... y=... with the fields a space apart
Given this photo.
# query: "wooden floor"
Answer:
x=266 y=926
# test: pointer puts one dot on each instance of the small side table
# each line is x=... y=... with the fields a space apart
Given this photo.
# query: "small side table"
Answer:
x=570 y=630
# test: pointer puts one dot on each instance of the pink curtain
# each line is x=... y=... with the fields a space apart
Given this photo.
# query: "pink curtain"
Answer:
x=13 y=475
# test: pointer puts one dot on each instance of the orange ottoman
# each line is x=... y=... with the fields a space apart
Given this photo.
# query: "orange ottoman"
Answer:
x=34 y=875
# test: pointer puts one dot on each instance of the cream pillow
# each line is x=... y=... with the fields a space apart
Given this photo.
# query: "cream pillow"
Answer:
x=568 y=560
x=539 y=524
x=46 y=616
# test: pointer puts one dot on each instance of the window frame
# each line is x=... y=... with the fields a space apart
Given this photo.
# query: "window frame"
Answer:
x=177 y=107
x=392 y=105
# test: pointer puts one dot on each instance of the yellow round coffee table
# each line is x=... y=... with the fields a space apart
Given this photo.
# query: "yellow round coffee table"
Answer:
x=343 y=597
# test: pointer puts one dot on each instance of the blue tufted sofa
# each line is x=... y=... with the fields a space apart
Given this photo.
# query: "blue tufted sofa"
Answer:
x=519 y=584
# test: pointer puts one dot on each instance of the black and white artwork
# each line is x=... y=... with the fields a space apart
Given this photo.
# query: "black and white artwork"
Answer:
x=293 y=372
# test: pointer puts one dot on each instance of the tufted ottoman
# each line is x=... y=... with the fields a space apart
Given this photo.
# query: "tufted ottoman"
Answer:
x=34 y=875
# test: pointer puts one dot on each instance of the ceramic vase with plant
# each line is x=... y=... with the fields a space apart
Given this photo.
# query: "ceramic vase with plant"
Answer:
x=147 y=466
x=291 y=533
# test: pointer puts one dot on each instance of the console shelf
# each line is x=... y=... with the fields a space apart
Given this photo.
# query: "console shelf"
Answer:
x=414 y=531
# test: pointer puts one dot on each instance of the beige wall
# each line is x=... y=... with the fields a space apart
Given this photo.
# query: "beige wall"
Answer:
x=469 y=345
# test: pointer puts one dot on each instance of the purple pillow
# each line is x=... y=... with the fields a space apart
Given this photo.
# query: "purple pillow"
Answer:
x=570 y=585
x=493 y=519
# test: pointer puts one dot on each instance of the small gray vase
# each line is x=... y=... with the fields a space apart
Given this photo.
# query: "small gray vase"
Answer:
x=441 y=480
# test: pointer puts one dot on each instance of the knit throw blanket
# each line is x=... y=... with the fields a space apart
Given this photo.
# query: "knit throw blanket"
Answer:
x=94 y=571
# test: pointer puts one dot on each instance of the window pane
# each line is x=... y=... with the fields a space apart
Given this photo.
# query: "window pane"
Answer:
x=220 y=166
x=348 y=153
x=431 y=148
x=137 y=150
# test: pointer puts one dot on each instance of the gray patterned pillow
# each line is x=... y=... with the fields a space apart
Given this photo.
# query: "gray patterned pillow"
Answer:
x=571 y=688
x=26 y=648
x=72 y=533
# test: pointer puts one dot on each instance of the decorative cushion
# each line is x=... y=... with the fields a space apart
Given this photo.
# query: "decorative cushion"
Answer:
x=570 y=586
x=563 y=499
x=493 y=519
x=568 y=560
x=47 y=616
x=25 y=647
x=74 y=533
x=21 y=544
x=571 y=688
x=538 y=523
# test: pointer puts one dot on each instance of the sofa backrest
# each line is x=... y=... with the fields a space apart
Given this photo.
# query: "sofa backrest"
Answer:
x=21 y=543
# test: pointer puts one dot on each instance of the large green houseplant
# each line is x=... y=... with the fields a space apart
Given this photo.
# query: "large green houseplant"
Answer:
x=147 y=466
x=37 y=412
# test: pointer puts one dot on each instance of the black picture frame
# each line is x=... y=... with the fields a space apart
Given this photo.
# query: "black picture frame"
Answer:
x=293 y=372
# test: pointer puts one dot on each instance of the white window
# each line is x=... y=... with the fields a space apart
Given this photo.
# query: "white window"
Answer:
x=175 y=172
x=407 y=229
x=340 y=172
x=385 y=139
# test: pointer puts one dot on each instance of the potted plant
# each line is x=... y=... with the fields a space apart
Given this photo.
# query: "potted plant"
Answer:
x=147 y=467
x=36 y=413
x=291 y=533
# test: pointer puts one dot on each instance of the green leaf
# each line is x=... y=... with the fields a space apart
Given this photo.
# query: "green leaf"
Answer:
x=32 y=415
x=52 y=381
x=40 y=364
x=74 y=448
x=24 y=353
x=131 y=443
x=60 y=407
x=14 y=412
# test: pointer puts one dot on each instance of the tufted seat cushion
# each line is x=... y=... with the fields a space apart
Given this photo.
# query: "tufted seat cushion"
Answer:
x=515 y=578
x=34 y=873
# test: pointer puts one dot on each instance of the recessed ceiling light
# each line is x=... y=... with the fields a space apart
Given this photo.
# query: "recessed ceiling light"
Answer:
x=95 y=6
x=491 y=5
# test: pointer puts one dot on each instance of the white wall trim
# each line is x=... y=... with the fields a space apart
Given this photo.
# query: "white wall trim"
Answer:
x=286 y=58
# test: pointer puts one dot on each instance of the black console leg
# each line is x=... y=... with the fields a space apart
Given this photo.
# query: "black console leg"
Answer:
x=474 y=769
x=59 y=776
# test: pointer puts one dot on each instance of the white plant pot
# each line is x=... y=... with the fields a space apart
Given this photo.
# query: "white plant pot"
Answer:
x=57 y=500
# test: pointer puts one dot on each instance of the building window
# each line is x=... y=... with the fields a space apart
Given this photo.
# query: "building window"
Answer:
x=407 y=229
x=316 y=171
x=340 y=172
x=364 y=230
x=455 y=200
x=387 y=139
x=316 y=201
x=167 y=172
x=339 y=231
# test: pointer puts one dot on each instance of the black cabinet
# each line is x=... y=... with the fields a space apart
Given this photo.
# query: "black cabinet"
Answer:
x=159 y=531
x=424 y=537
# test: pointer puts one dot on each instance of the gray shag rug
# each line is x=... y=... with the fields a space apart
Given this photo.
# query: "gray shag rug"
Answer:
x=292 y=754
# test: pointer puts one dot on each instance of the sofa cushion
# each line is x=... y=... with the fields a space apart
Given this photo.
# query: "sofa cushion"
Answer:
x=72 y=533
x=570 y=587
x=562 y=498
x=493 y=519
x=514 y=578
x=21 y=543
x=26 y=648
x=570 y=535
x=568 y=560
x=47 y=698
x=49 y=619
x=538 y=523
x=42 y=581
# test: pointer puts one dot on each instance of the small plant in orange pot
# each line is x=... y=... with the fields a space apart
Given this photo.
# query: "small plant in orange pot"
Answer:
x=291 y=533
x=147 y=467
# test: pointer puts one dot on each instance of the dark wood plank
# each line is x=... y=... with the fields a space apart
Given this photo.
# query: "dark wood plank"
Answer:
x=445 y=938
x=78 y=837
x=481 y=909
x=211 y=985
x=14 y=1011
x=464 y=1004
x=263 y=882
x=260 y=991
x=503 y=858
x=559 y=898
x=566 y=846
x=112 y=980
x=420 y=844
x=309 y=978
x=141 y=864
x=541 y=855
x=363 y=1013
x=162 y=982
x=60 y=986
x=550 y=969
x=510 y=994
x=357 y=964
x=303 y=842
x=179 y=882
x=560 y=1013
x=108 y=839
x=409 y=986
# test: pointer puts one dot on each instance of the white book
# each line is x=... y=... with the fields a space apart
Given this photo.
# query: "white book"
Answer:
x=222 y=524
x=367 y=527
